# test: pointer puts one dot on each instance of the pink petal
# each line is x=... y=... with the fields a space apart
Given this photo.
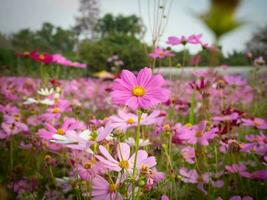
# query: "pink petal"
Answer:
x=123 y=151
x=144 y=76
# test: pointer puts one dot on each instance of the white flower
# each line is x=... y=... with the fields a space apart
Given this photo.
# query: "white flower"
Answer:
x=30 y=101
x=142 y=142
x=47 y=102
x=45 y=91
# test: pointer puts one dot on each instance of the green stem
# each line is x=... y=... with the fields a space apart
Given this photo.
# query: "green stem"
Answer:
x=11 y=153
x=136 y=150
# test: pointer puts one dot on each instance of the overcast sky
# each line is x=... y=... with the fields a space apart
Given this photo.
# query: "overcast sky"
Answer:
x=18 y=14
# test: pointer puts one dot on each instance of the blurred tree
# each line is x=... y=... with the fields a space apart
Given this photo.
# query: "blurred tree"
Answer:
x=120 y=25
x=86 y=22
x=23 y=40
x=49 y=38
x=236 y=59
x=130 y=50
x=5 y=42
x=258 y=43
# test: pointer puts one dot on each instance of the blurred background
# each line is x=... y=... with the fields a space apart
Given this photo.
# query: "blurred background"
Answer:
x=92 y=31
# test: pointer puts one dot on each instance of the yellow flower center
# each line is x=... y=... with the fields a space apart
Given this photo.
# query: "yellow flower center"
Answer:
x=199 y=134
x=130 y=121
x=167 y=127
x=144 y=169
x=112 y=187
x=60 y=131
x=88 y=165
x=56 y=110
x=162 y=53
x=41 y=57
x=17 y=117
x=188 y=125
x=257 y=123
x=138 y=91
x=200 y=179
x=124 y=164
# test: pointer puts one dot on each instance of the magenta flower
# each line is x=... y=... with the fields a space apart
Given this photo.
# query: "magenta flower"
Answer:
x=191 y=176
x=199 y=134
x=105 y=190
x=260 y=174
x=68 y=124
x=188 y=154
x=238 y=168
x=173 y=40
x=164 y=197
x=240 y=198
x=88 y=168
x=160 y=53
x=258 y=123
x=143 y=91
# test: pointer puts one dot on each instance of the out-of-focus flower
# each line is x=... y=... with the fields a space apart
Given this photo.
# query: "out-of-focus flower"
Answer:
x=46 y=91
x=258 y=123
x=238 y=168
x=240 y=198
x=259 y=61
x=164 y=197
x=160 y=53
x=199 y=134
x=102 y=189
x=188 y=154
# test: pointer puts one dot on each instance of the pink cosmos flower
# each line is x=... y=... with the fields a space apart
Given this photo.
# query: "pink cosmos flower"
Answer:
x=238 y=168
x=195 y=39
x=179 y=131
x=102 y=189
x=88 y=167
x=152 y=177
x=191 y=176
x=173 y=40
x=125 y=120
x=125 y=162
x=82 y=140
x=260 y=175
x=258 y=123
x=160 y=53
x=68 y=124
x=164 y=197
x=199 y=134
x=12 y=125
x=143 y=91
x=188 y=154
x=191 y=39
x=240 y=198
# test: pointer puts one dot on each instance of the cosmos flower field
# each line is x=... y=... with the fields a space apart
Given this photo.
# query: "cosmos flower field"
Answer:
x=137 y=135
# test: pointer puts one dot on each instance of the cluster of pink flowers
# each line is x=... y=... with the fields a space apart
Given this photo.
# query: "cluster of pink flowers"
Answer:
x=47 y=58
x=195 y=39
x=136 y=137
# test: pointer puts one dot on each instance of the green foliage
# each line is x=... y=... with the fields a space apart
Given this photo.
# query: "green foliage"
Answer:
x=119 y=25
x=49 y=39
x=258 y=43
x=129 y=49
x=236 y=58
